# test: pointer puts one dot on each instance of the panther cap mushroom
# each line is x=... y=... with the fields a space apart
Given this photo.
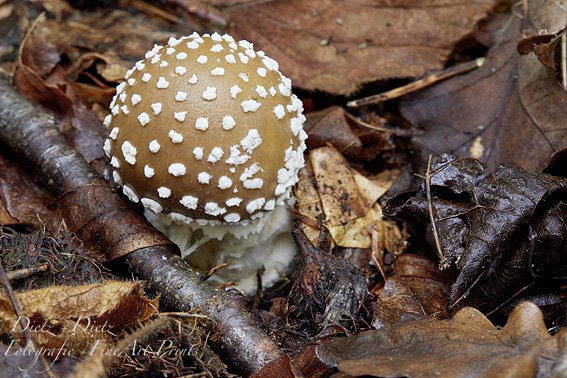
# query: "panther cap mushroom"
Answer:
x=206 y=130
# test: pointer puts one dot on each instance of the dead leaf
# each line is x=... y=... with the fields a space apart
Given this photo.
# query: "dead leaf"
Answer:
x=281 y=367
x=503 y=230
x=345 y=194
x=77 y=57
x=542 y=35
x=21 y=201
x=466 y=346
x=418 y=287
x=355 y=234
x=77 y=318
x=337 y=189
x=37 y=77
x=395 y=300
x=337 y=46
x=331 y=126
x=307 y=203
x=430 y=286
x=347 y=197
x=510 y=110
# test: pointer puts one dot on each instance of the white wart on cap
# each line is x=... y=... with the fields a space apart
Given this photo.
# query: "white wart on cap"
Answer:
x=206 y=130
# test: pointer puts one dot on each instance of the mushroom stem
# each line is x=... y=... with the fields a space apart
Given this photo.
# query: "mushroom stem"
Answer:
x=34 y=138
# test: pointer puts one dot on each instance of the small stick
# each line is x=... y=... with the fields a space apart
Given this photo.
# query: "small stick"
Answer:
x=419 y=84
x=23 y=273
x=18 y=310
x=213 y=270
x=375 y=247
x=431 y=209
x=564 y=61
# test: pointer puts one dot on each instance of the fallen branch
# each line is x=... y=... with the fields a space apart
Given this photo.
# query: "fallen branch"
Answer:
x=34 y=138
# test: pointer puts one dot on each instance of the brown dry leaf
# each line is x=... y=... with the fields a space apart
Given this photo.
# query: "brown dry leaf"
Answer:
x=307 y=203
x=38 y=77
x=347 y=197
x=78 y=317
x=511 y=110
x=76 y=58
x=543 y=33
x=21 y=201
x=336 y=186
x=281 y=367
x=354 y=234
x=330 y=126
x=345 y=194
x=418 y=287
x=468 y=345
x=395 y=300
x=431 y=286
x=336 y=46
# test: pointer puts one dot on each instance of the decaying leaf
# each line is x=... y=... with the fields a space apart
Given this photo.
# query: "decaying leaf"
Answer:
x=503 y=230
x=279 y=368
x=329 y=126
x=543 y=34
x=354 y=140
x=38 y=76
x=430 y=286
x=395 y=300
x=308 y=204
x=61 y=64
x=510 y=110
x=468 y=345
x=21 y=201
x=348 y=198
x=336 y=46
x=78 y=318
x=418 y=288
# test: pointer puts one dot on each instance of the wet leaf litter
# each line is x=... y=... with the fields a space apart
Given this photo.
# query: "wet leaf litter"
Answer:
x=431 y=203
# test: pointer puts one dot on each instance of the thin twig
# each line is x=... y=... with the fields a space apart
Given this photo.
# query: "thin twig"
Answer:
x=431 y=210
x=419 y=84
x=375 y=247
x=466 y=293
x=30 y=342
x=23 y=273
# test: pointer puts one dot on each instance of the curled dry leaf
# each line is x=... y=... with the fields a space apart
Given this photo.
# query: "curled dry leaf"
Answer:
x=418 y=287
x=329 y=126
x=76 y=318
x=38 y=76
x=354 y=140
x=281 y=367
x=395 y=300
x=337 y=46
x=502 y=230
x=21 y=201
x=307 y=203
x=510 y=110
x=468 y=345
x=543 y=34
x=65 y=61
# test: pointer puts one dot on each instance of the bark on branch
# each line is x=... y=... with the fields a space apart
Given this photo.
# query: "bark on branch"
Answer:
x=34 y=138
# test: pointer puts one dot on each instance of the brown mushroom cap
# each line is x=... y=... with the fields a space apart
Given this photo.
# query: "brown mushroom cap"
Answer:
x=206 y=129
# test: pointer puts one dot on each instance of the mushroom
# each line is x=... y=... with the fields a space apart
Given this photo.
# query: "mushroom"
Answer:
x=206 y=134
